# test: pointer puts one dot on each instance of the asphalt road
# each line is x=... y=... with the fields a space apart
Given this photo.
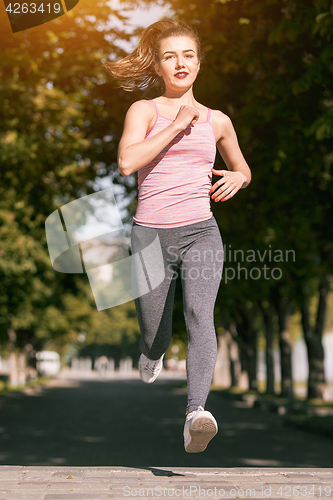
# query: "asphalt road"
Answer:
x=129 y=423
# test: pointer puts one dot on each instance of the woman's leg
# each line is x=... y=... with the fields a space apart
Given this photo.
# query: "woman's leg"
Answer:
x=201 y=274
x=154 y=309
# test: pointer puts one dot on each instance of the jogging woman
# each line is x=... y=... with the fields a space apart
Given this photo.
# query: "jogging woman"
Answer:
x=171 y=142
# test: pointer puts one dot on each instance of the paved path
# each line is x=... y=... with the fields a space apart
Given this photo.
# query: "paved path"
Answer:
x=103 y=483
x=90 y=439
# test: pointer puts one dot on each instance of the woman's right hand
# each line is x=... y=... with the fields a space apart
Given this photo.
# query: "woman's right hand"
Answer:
x=186 y=116
x=136 y=148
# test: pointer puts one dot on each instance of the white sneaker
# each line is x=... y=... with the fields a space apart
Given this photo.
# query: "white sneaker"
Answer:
x=150 y=369
x=200 y=427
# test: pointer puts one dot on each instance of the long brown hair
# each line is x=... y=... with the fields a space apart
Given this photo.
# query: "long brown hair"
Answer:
x=137 y=70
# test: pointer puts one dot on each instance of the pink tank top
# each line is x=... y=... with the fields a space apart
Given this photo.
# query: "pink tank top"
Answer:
x=174 y=186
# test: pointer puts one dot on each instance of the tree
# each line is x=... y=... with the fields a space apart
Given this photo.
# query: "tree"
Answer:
x=57 y=135
x=268 y=67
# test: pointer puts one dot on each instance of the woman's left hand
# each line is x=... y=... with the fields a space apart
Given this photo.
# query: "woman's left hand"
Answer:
x=228 y=185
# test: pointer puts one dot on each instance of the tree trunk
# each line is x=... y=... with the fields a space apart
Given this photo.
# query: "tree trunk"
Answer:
x=11 y=339
x=285 y=344
x=235 y=365
x=268 y=314
x=235 y=355
x=13 y=368
x=252 y=366
x=313 y=340
x=248 y=347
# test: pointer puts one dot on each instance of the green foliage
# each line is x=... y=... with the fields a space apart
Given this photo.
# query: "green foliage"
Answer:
x=59 y=121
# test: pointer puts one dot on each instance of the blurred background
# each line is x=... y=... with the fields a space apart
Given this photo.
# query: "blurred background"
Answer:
x=268 y=66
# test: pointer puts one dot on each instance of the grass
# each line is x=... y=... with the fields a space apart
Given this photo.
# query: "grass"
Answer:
x=327 y=419
x=313 y=423
x=300 y=411
x=295 y=403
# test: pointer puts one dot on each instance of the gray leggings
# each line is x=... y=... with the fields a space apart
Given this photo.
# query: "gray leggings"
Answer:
x=196 y=253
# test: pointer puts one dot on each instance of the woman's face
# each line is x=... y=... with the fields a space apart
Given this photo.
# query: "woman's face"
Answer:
x=178 y=63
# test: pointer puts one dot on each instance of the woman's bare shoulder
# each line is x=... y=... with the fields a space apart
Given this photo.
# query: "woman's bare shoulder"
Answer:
x=220 y=118
x=221 y=123
x=140 y=113
x=142 y=106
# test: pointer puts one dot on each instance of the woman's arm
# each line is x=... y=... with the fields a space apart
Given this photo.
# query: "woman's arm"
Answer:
x=134 y=150
x=238 y=174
